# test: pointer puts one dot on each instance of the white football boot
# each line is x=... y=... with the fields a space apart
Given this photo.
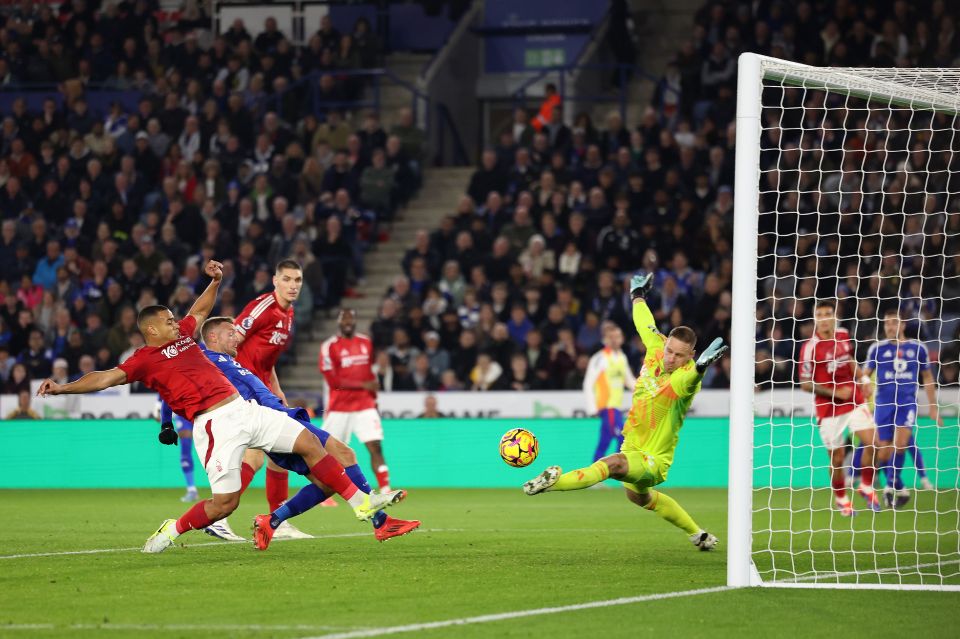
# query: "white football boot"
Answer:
x=704 y=540
x=543 y=481
x=286 y=530
x=378 y=501
x=221 y=530
x=165 y=537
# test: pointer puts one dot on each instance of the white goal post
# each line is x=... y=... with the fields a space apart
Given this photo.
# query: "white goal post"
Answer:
x=782 y=528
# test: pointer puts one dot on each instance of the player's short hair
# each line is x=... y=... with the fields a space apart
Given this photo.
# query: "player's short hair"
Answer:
x=288 y=264
x=212 y=323
x=147 y=313
x=685 y=334
x=831 y=304
x=893 y=310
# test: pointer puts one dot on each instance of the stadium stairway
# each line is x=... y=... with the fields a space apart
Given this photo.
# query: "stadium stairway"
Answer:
x=442 y=187
x=394 y=97
x=661 y=25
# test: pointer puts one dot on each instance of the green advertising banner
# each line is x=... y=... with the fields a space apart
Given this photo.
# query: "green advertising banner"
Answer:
x=440 y=453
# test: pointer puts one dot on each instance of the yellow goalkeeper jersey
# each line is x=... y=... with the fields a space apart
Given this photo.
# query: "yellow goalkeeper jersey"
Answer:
x=660 y=399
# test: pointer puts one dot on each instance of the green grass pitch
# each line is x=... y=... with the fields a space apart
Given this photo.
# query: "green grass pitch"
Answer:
x=480 y=552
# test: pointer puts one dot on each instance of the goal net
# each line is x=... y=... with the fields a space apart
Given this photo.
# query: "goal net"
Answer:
x=848 y=190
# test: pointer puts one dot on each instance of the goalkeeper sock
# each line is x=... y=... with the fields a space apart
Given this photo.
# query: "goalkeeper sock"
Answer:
x=583 y=477
x=917 y=457
x=668 y=508
x=898 y=461
x=305 y=499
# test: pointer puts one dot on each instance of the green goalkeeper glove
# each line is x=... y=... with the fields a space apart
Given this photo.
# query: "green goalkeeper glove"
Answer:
x=714 y=352
x=640 y=285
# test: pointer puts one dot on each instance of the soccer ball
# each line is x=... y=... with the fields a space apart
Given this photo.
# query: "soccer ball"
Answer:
x=519 y=447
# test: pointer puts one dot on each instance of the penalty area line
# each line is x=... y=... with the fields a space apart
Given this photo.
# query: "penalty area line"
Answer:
x=517 y=614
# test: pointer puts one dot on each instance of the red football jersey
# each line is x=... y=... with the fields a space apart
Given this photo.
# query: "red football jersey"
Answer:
x=180 y=372
x=828 y=361
x=348 y=358
x=266 y=330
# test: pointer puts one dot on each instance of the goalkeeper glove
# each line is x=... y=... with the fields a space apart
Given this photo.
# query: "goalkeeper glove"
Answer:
x=640 y=285
x=716 y=350
x=167 y=436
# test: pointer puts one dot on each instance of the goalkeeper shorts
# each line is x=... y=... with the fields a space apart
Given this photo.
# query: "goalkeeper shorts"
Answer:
x=644 y=471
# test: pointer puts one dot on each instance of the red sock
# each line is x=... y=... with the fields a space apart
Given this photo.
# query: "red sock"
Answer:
x=194 y=519
x=840 y=488
x=866 y=476
x=278 y=488
x=330 y=472
x=246 y=476
x=383 y=476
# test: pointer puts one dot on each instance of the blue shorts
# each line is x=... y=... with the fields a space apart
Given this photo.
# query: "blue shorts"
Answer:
x=182 y=424
x=611 y=421
x=295 y=463
x=889 y=418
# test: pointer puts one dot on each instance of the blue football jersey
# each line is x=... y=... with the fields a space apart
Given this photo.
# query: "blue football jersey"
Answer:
x=898 y=366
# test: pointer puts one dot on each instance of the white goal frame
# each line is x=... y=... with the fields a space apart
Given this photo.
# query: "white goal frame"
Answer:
x=753 y=70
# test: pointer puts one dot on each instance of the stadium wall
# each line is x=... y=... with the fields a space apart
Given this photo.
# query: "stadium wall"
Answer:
x=437 y=453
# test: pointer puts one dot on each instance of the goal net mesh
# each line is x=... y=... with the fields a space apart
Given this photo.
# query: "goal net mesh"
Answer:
x=859 y=202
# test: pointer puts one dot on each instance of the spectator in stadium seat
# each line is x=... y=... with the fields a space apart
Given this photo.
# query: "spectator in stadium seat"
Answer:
x=485 y=373
x=413 y=140
x=335 y=256
x=377 y=185
x=422 y=249
x=424 y=379
x=488 y=177
x=437 y=356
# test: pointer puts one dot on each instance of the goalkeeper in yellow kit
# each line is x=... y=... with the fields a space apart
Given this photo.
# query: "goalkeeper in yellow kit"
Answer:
x=665 y=388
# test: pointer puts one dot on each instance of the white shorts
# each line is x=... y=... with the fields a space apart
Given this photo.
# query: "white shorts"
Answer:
x=365 y=424
x=833 y=429
x=222 y=435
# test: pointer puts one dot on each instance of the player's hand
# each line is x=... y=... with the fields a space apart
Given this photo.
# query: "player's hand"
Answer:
x=214 y=270
x=843 y=392
x=48 y=387
x=168 y=435
x=640 y=285
x=867 y=390
x=713 y=352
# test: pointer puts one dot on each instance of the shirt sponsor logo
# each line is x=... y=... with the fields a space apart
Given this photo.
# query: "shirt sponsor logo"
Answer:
x=170 y=351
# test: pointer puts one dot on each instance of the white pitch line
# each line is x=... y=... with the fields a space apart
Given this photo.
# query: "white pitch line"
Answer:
x=516 y=614
x=174 y=627
x=854 y=573
x=96 y=551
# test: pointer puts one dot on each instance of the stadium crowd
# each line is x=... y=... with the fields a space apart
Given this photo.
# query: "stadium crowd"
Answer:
x=240 y=145
x=236 y=146
x=512 y=289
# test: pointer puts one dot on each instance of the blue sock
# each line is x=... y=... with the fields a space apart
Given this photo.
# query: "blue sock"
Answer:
x=898 y=460
x=357 y=477
x=186 y=460
x=855 y=466
x=917 y=457
x=886 y=467
x=305 y=499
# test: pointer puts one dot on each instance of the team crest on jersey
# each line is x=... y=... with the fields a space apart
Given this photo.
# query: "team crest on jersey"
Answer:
x=170 y=351
x=247 y=323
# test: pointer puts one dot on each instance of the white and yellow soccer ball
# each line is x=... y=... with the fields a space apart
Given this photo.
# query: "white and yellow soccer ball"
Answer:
x=519 y=447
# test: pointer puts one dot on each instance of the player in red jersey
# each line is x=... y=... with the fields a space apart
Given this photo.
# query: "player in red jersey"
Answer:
x=345 y=361
x=264 y=326
x=829 y=370
x=224 y=425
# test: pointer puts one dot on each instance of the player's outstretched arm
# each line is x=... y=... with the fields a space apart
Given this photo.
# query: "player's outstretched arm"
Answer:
x=643 y=319
x=204 y=304
x=89 y=383
x=685 y=381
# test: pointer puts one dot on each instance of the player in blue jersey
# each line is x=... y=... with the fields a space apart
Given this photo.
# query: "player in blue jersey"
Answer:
x=179 y=429
x=219 y=344
x=901 y=366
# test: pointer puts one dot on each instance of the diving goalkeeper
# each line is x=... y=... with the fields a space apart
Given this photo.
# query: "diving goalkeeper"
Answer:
x=665 y=388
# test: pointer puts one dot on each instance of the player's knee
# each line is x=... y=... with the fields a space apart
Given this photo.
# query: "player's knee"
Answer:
x=224 y=505
x=640 y=499
x=617 y=464
x=343 y=453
